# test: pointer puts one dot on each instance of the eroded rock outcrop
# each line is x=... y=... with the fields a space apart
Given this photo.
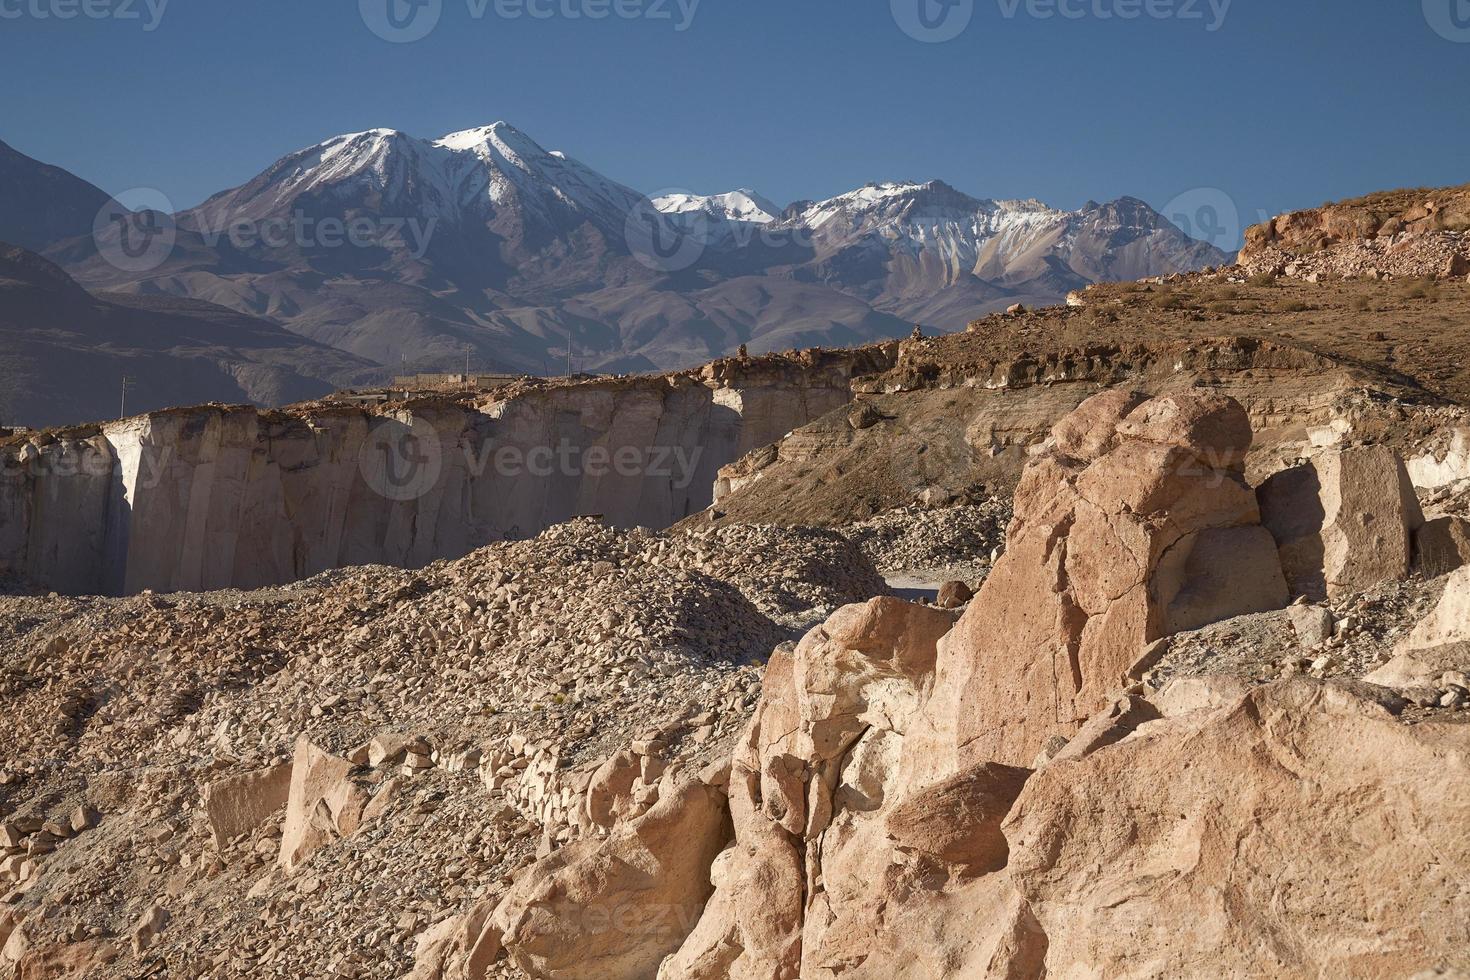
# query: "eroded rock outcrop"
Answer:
x=1236 y=843
x=809 y=783
x=1136 y=525
x=869 y=792
x=919 y=800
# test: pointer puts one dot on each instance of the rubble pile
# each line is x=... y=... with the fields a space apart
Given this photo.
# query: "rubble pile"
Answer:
x=1346 y=638
x=1419 y=234
x=918 y=539
x=803 y=570
x=247 y=765
x=1440 y=256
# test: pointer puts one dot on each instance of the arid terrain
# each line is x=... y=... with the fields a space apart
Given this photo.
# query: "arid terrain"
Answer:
x=1122 y=638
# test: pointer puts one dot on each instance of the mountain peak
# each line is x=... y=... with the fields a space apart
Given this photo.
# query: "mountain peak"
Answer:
x=499 y=131
x=743 y=205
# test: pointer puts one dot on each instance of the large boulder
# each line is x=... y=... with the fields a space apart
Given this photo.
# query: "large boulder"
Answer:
x=612 y=908
x=323 y=804
x=460 y=947
x=1154 y=533
x=1441 y=546
x=1344 y=520
x=812 y=780
x=236 y=805
x=956 y=821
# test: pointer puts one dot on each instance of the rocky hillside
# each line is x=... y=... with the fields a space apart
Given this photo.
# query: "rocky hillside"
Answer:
x=1405 y=233
x=67 y=351
x=956 y=417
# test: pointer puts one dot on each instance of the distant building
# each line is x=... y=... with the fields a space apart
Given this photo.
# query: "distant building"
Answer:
x=438 y=382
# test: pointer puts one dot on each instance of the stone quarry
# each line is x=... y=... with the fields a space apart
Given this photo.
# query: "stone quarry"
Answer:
x=219 y=497
x=1011 y=654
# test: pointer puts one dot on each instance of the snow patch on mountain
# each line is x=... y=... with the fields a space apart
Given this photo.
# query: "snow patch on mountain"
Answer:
x=740 y=205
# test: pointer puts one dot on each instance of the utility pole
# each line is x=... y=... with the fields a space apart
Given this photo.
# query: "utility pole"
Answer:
x=569 y=352
x=127 y=385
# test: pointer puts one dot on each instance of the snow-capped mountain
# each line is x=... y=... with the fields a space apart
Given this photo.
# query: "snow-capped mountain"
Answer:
x=471 y=177
x=742 y=205
x=484 y=241
x=1000 y=241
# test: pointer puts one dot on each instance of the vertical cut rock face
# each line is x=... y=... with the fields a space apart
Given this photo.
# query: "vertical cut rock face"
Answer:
x=213 y=497
x=1345 y=520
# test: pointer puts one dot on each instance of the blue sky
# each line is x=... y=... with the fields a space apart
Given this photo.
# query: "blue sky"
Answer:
x=1285 y=103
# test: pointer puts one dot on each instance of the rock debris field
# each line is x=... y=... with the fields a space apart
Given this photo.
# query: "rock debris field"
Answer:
x=553 y=652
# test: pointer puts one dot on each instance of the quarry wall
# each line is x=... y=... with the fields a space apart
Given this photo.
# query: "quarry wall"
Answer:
x=230 y=497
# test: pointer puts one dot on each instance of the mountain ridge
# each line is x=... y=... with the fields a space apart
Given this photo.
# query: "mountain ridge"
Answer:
x=483 y=242
x=68 y=350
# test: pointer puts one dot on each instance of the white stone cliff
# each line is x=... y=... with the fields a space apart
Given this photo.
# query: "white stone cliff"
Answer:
x=219 y=497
